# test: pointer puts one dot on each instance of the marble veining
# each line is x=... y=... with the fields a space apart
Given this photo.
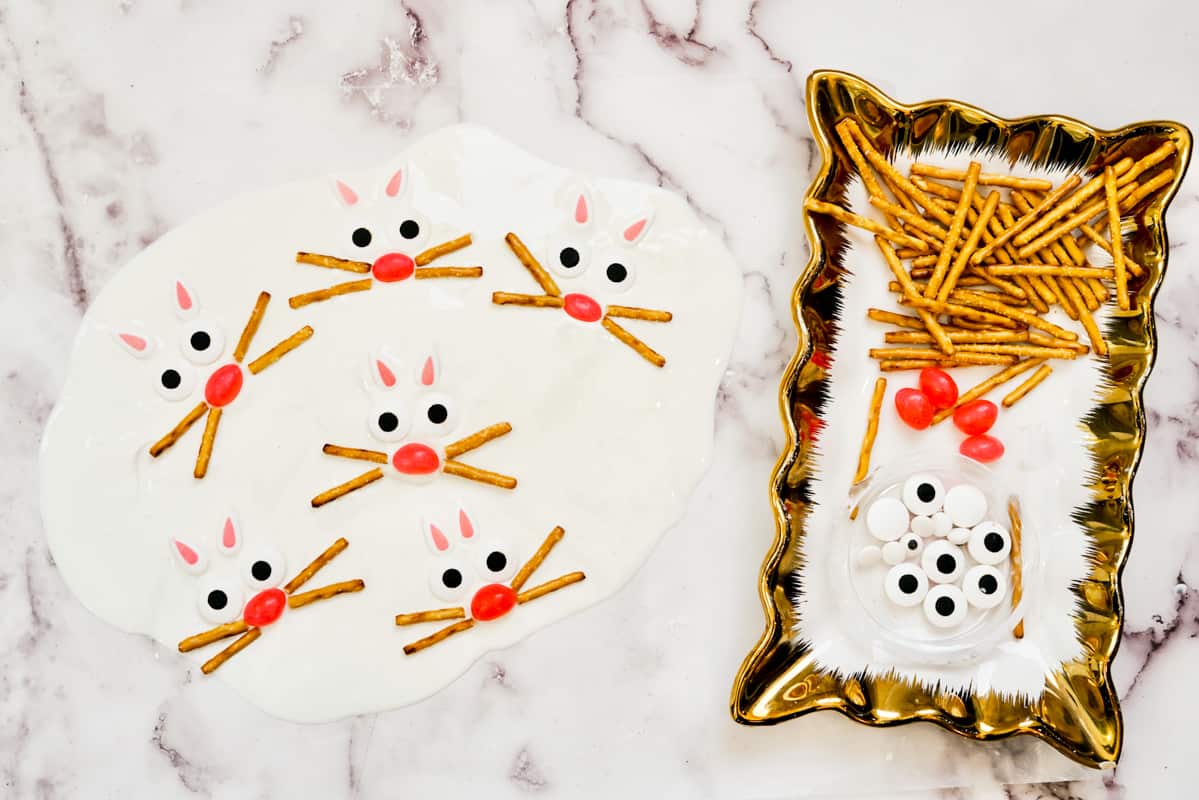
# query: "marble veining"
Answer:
x=123 y=118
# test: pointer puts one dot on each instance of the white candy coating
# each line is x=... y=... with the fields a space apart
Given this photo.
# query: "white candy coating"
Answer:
x=923 y=527
x=868 y=556
x=912 y=545
x=965 y=505
x=923 y=494
x=894 y=585
x=975 y=585
x=990 y=543
x=887 y=519
x=959 y=535
x=950 y=598
x=942 y=524
x=894 y=552
x=943 y=562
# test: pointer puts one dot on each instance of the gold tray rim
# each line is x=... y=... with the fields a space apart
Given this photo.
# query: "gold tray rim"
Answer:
x=745 y=705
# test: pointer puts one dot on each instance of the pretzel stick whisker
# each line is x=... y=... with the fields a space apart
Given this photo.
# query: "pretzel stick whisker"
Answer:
x=538 y=300
x=229 y=652
x=643 y=350
x=441 y=635
x=647 y=314
x=461 y=470
x=423 y=273
x=301 y=300
x=341 y=490
x=206 y=443
x=551 y=539
x=317 y=564
x=177 y=432
x=439 y=250
x=316 y=259
x=549 y=586
x=247 y=333
x=355 y=453
x=213 y=635
x=278 y=351
x=325 y=592
x=435 y=615
x=475 y=440
x=532 y=265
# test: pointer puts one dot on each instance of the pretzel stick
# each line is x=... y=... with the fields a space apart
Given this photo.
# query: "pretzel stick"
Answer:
x=345 y=488
x=910 y=217
x=1088 y=322
x=1093 y=235
x=354 y=452
x=441 y=635
x=476 y=439
x=213 y=635
x=957 y=310
x=895 y=176
x=902 y=320
x=1048 y=341
x=957 y=337
x=206 y=443
x=549 y=586
x=1129 y=202
x=301 y=300
x=1014 y=396
x=1031 y=320
x=1045 y=269
x=177 y=432
x=1153 y=159
x=632 y=341
x=1113 y=229
x=229 y=652
x=1013 y=510
x=937 y=332
x=278 y=351
x=976 y=233
x=319 y=260
x=647 y=314
x=417 y=617
x=1073 y=202
x=1031 y=293
x=247 y=333
x=891 y=353
x=325 y=592
x=538 y=272
x=876 y=405
x=998 y=379
x=858 y=221
x=422 y=273
x=439 y=250
x=539 y=300
x=475 y=474
x=1059 y=295
x=316 y=565
x=908 y=363
x=1013 y=228
x=1085 y=293
x=845 y=132
x=955 y=231
x=1022 y=350
x=1085 y=215
x=551 y=539
x=984 y=179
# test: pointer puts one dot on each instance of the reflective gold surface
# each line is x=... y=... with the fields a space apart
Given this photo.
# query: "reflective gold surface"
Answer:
x=1078 y=712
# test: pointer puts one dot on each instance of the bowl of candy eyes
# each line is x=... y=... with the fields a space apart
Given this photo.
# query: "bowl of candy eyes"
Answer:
x=934 y=571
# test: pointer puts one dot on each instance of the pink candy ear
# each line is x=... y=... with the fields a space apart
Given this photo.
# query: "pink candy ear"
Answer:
x=395 y=184
x=230 y=535
x=188 y=557
x=383 y=371
x=634 y=232
x=428 y=371
x=133 y=343
x=581 y=212
x=465 y=526
x=438 y=539
x=347 y=195
x=185 y=300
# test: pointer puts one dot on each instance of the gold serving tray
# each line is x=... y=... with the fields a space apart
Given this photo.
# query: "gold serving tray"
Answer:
x=1078 y=713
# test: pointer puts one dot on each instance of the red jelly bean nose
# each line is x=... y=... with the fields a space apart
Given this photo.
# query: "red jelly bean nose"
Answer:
x=392 y=267
x=223 y=385
x=492 y=602
x=416 y=459
x=583 y=308
x=265 y=607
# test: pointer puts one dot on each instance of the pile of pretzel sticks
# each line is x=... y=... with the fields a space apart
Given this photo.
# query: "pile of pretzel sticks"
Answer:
x=978 y=260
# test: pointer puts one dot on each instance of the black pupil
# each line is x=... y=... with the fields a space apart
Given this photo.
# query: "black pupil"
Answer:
x=569 y=257
x=993 y=542
x=452 y=578
x=171 y=379
x=217 y=599
x=388 y=422
x=926 y=492
x=261 y=570
x=438 y=414
x=409 y=229
x=946 y=564
x=987 y=584
x=496 y=561
x=201 y=340
x=913 y=544
x=944 y=606
x=617 y=273
x=908 y=584
x=361 y=237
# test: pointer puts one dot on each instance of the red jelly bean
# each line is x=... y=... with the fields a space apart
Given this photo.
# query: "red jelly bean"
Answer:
x=982 y=448
x=914 y=408
x=938 y=387
x=975 y=417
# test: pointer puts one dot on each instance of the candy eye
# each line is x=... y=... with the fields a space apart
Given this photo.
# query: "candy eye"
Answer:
x=984 y=586
x=448 y=579
x=569 y=261
x=905 y=585
x=943 y=562
x=176 y=382
x=989 y=543
x=264 y=568
x=912 y=545
x=437 y=414
x=923 y=494
x=945 y=606
x=619 y=276
x=965 y=505
x=387 y=424
x=202 y=343
x=495 y=563
x=361 y=237
x=410 y=229
x=220 y=601
x=887 y=519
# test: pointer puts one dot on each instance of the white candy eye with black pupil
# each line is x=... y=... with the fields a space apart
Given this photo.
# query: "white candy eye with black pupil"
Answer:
x=942 y=561
x=388 y=422
x=170 y=379
x=202 y=342
x=989 y=543
x=361 y=237
x=437 y=413
x=175 y=382
x=220 y=601
x=263 y=568
x=905 y=585
x=617 y=272
x=923 y=494
x=497 y=561
x=984 y=586
x=569 y=257
x=945 y=606
x=409 y=229
x=217 y=600
x=451 y=578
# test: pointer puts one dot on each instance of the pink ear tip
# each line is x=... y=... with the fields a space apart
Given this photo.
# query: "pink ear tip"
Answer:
x=182 y=296
x=634 y=230
x=439 y=540
x=465 y=525
x=229 y=534
x=393 y=185
x=428 y=372
x=136 y=342
x=385 y=374
x=581 y=210
x=186 y=553
x=347 y=194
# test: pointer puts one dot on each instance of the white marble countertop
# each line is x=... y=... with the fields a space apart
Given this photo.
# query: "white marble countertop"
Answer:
x=122 y=118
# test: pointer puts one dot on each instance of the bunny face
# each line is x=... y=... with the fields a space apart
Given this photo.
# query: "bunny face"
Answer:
x=178 y=360
x=414 y=421
x=470 y=569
